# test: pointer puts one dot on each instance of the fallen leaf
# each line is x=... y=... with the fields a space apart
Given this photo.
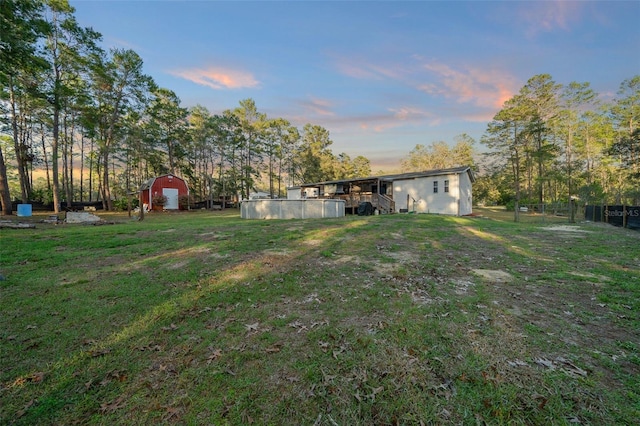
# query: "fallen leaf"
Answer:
x=170 y=328
x=110 y=407
x=545 y=363
x=99 y=352
x=274 y=348
x=171 y=412
x=543 y=402
x=252 y=327
x=571 y=368
x=36 y=377
x=217 y=353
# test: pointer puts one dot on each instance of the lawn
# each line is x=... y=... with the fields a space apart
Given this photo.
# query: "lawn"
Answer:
x=205 y=318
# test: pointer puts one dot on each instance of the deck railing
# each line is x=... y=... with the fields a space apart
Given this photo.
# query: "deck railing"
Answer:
x=383 y=203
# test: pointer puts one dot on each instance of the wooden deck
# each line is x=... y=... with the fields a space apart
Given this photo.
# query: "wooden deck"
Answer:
x=383 y=203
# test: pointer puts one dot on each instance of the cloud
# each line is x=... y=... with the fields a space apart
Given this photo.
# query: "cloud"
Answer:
x=365 y=70
x=547 y=16
x=217 y=77
x=317 y=106
x=396 y=117
x=487 y=88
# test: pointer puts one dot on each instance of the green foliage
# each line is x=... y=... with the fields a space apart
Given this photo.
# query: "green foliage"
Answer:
x=439 y=155
x=553 y=142
x=122 y=204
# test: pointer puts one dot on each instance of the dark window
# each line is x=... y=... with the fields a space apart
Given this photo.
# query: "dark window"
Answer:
x=446 y=186
x=435 y=186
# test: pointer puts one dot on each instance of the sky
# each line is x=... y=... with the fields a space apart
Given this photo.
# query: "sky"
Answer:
x=382 y=76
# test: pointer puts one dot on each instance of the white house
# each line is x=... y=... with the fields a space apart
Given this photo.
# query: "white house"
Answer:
x=444 y=191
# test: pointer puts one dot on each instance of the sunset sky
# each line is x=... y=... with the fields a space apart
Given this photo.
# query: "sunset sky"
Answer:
x=380 y=76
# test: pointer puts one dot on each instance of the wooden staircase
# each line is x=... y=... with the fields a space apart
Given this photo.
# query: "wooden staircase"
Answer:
x=385 y=204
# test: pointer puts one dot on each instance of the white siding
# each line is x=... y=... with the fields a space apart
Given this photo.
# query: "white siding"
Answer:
x=466 y=198
x=294 y=193
x=422 y=199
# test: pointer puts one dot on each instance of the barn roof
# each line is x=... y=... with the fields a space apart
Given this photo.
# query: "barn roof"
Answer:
x=149 y=183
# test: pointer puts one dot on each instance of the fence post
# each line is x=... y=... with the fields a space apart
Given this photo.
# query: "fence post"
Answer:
x=624 y=216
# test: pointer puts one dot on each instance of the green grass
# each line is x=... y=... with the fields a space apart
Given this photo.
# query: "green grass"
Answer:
x=204 y=318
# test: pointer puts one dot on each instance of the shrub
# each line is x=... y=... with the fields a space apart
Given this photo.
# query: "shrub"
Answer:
x=159 y=199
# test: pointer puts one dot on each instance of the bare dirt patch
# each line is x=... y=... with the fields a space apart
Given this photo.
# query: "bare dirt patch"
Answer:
x=494 y=275
x=566 y=228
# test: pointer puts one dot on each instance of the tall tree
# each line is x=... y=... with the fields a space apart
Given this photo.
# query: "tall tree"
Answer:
x=289 y=163
x=439 y=155
x=506 y=134
x=167 y=124
x=361 y=166
x=626 y=115
x=577 y=98
x=201 y=152
x=66 y=45
x=21 y=26
x=316 y=158
x=276 y=133
x=119 y=87
x=540 y=103
x=252 y=123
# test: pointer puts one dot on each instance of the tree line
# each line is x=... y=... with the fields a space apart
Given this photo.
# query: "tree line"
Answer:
x=98 y=127
x=556 y=143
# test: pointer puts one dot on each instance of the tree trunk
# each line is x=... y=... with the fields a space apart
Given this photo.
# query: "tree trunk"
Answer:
x=107 y=202
x=81 y=166
x=54 y=156
x=5 y=196
x=16 y=142
x=44 y=155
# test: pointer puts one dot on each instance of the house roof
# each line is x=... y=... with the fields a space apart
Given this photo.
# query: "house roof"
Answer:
x=401 y=176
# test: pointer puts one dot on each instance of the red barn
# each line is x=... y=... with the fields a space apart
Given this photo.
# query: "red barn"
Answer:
x=169 y=186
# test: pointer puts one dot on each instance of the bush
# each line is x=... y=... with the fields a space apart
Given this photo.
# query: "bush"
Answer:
x=159 y=200
x=185 y=201
x=122 y=204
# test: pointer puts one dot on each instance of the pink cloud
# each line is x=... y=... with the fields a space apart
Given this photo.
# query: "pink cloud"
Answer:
x=482 y=87
x=397 y=117
x=217 y=78
x=318 y=106
x=544 y=16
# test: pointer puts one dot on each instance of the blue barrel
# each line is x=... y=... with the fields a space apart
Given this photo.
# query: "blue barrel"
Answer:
x=24 y=209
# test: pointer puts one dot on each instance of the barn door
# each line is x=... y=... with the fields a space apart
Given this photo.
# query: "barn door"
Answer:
x=172 y=198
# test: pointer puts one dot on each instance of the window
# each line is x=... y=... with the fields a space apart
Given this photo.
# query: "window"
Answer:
x=446 y=186
x=435 y=186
